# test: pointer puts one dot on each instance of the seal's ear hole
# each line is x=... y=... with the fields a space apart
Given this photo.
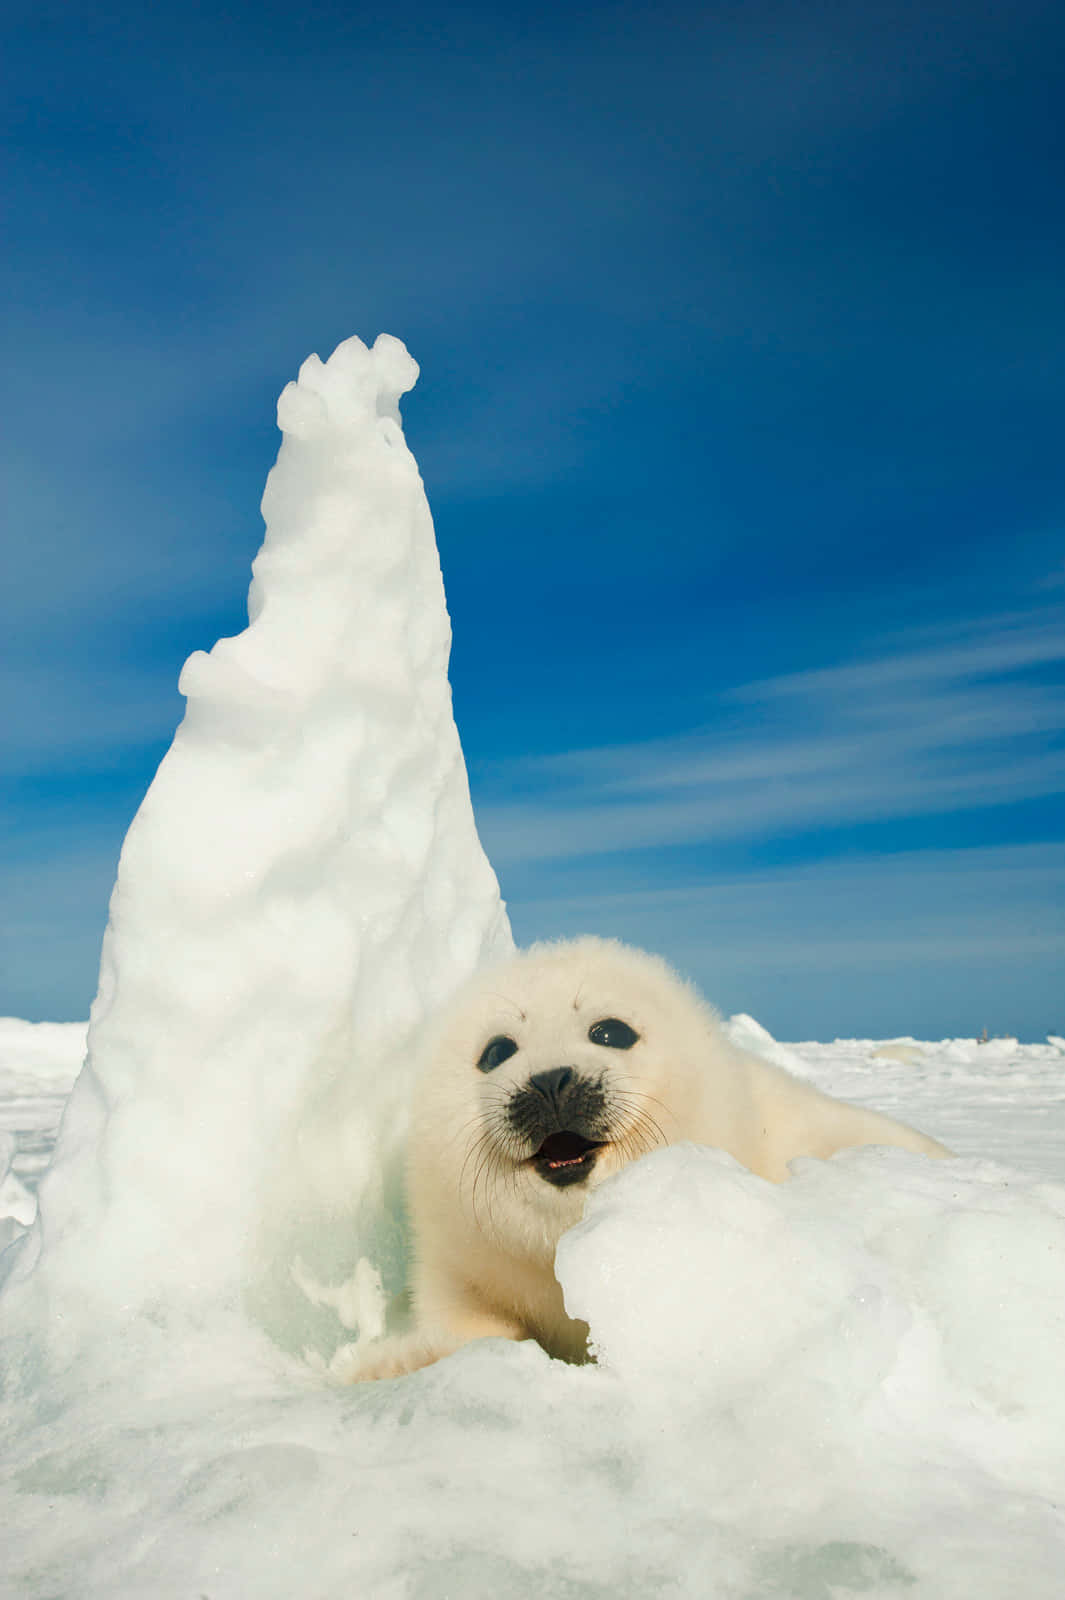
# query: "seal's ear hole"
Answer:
x=496 y=1051
x=614 y=1033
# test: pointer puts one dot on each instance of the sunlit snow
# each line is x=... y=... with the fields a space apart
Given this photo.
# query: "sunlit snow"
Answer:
x=848 y=1384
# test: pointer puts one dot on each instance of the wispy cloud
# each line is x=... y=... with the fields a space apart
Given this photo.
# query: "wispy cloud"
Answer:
x=56 y=720
x=970 y=721
x=931 y=942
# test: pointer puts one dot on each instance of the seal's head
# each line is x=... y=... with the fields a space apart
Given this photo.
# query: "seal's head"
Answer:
x=550 y=1072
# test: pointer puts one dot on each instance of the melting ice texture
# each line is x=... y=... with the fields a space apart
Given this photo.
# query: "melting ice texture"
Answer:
x=850 y=1384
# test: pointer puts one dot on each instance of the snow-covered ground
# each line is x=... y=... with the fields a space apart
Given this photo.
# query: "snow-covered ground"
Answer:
x=848 y=1384
x=1001 y=1100
x=859 y=1393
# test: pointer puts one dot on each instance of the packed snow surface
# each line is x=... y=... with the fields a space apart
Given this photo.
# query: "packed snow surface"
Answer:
x=848 y=1384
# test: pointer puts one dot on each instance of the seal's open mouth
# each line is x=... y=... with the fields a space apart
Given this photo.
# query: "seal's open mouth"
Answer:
x=566 y=1158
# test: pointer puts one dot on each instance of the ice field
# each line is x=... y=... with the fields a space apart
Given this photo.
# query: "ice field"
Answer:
x=849 y=1384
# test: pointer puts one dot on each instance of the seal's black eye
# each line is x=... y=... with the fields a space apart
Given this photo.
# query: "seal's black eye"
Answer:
x=496 y=1051
x=614 y=1033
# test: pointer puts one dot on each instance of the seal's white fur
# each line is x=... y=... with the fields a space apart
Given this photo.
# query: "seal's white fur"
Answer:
x=486 y=1221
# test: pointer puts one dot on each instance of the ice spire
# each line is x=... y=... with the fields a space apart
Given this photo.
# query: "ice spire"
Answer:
x=302 y=881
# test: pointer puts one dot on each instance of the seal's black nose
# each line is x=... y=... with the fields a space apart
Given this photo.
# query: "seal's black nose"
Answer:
x=553 y=1085
x=558 y=1101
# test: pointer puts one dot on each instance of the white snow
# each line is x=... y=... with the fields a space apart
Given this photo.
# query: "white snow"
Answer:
x=302 y=881
x=850 y=1384
x=39 y=1062
x=750 y=1035
x=1001 y=1100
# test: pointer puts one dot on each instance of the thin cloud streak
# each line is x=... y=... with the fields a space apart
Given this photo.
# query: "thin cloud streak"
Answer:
x=933 y=942
x=54 y=722
x=920 y=732
x=995 y=645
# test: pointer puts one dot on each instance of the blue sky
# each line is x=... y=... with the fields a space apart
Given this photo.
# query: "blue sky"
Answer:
x=741 y=334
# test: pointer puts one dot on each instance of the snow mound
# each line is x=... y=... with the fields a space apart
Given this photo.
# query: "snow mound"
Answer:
x=908 y=1051
x=748 y=1034
x=301 y=884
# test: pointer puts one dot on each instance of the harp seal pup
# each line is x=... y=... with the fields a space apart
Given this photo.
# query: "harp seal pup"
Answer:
x=543 y=1077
